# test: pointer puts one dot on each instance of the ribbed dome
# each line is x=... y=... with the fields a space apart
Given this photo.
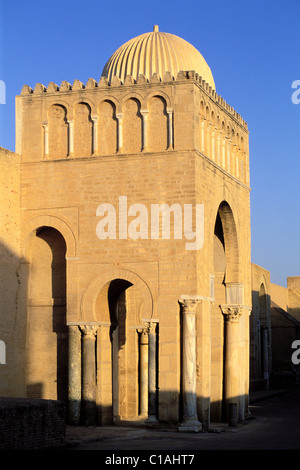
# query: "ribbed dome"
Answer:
x=156 y=52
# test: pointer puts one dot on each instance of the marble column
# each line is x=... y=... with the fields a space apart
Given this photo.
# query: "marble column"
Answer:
x=232 y=390
x=152 y=368
x=74 y=375
x=190 y=417
x=143 y=372
x=89 y=374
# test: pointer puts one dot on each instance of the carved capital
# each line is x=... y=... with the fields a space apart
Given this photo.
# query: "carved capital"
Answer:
x=231 y=313
x=189 y=305
x=89 y=331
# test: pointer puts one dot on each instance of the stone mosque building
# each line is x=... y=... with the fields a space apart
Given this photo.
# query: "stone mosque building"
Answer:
x=126 y=275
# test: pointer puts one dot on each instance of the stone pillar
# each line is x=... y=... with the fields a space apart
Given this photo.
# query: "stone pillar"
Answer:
x=74 y=375
x=232 y=366
x=46 y=139
x=71 y=138
x=95 y=134
x=190 y=418
x=143 y=372
x=89 y=374
x=119 y=117
x=152 y=368
x=170 y=128
x=145 y=130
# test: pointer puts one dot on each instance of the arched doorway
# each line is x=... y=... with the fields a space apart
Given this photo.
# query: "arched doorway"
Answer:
x=122 y=352
x=228 y=292
x=47 y=335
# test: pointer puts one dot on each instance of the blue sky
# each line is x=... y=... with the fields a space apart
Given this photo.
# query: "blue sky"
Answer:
x=252 y=48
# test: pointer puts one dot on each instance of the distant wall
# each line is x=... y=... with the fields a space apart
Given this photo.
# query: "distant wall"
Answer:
x=293 y=286
x=27 y=424
x=279 y=296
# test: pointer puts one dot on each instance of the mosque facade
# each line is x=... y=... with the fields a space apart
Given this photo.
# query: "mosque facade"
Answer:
x=127 y=245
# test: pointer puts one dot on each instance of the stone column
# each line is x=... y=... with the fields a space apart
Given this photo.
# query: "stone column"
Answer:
x=46 y=139
x=170 y=128
x=89 y=374
x=71 y=138
x=190 y=418
x=145 y=130
x=95 y=134
x=74 y=375
x=143 y=372
x=152 y=368
x=232 y=390
x=119 y=117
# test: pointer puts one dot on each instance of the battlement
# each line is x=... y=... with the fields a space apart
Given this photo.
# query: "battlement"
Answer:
x=142 y=80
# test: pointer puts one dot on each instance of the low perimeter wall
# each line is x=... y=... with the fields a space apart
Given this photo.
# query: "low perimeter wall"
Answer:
x=27 y=424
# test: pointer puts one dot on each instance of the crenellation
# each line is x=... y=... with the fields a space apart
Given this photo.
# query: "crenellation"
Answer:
x=103 y=82
x=77 y=85
x=52 y=88
x=39 y=88
x=91 y=83
x=26 y=90
x=65 y=86
x=129 y=80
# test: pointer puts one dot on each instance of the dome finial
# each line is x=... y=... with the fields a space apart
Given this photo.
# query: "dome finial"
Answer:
x=155 y=28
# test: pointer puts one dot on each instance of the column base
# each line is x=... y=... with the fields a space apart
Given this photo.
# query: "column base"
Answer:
x=151 y=420
x=190 y=425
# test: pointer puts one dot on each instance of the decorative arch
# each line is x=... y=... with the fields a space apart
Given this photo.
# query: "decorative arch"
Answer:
x=87 y=101
x=133 y=95
x=158 y=93
x=132 y=125
x=59 y=224
x=83 y=129
x=58 y=131
x=87 y=308
x=226 y=210
x=231 y=243
x=157 y=123
x=107 y=127
x=58 y=102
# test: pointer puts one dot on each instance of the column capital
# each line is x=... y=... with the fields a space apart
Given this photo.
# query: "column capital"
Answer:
x=189 y=305
x=151 y=326
x=89 y=330
x=231 y=313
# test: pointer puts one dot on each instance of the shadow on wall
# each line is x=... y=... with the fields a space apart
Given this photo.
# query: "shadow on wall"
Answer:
x=103 y=415
x=260 y=340
x=285 y=330
x=13 y=291
x=33 y=318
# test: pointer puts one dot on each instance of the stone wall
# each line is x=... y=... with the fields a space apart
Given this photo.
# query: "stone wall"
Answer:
x=27 y=424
